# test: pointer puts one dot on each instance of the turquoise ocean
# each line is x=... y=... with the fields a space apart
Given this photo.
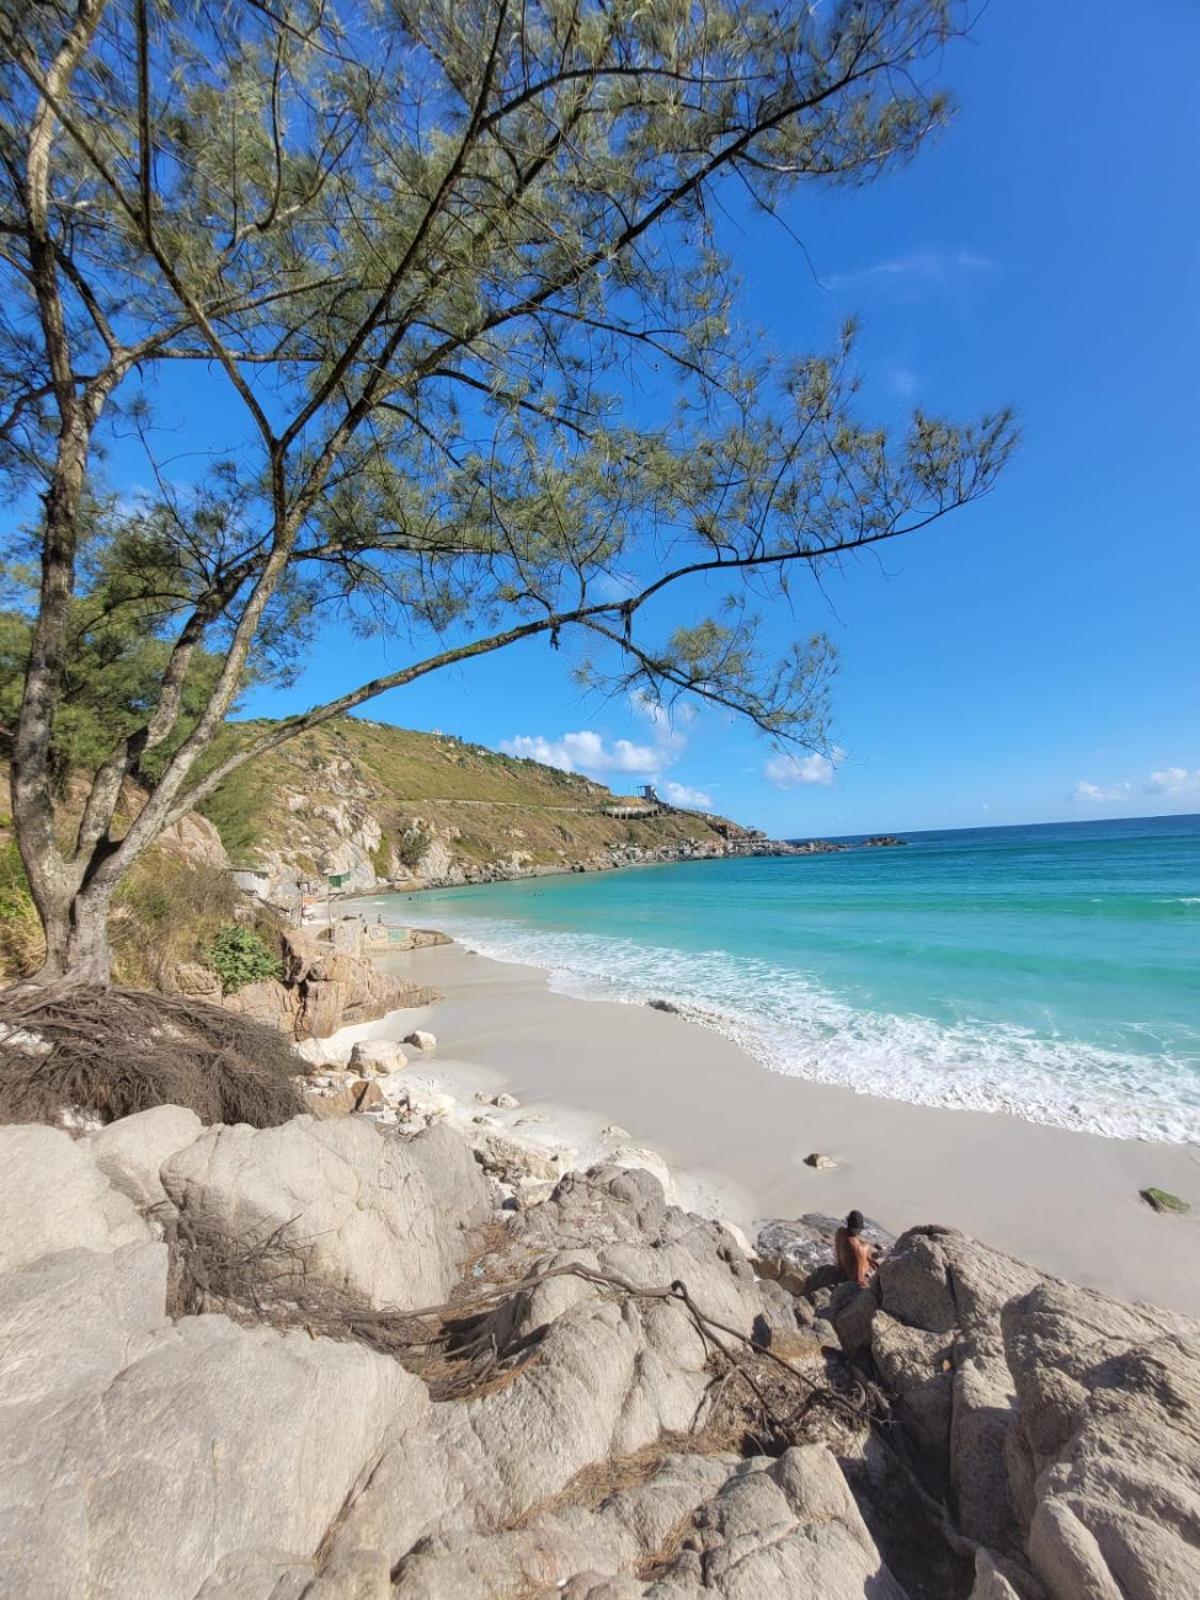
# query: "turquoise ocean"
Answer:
x=1049 y=971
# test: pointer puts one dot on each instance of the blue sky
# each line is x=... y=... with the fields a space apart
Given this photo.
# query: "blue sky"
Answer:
x=1034 y=657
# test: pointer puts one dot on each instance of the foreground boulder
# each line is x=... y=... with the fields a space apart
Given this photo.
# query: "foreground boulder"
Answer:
x=573 y=1436
x=141 y=1455
x=131 y=1151
x=938 y=1343
x=54 y=1197
x=1104 y=1455
x=702 y=1527
x=384 y=1219
x=1060 y=1428
x=225 y=1457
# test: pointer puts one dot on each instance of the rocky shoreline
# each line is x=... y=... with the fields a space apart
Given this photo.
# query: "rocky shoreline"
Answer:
x=617 y=858
x=458 y=875
x=427 y=1350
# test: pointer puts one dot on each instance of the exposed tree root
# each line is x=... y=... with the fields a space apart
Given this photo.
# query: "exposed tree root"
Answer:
x=116 y=1051
x=469 y=1346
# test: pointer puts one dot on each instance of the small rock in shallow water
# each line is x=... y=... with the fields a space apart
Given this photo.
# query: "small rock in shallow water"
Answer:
x=663 y=1005
x=1162 y=1200
x=615 y=1131
x=420 y=1040
x=821 y=1163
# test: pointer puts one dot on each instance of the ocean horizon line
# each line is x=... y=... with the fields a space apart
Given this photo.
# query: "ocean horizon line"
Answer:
x=988 y=827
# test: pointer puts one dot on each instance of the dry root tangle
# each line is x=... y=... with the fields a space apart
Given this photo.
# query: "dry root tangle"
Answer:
x=469 y=1345
x=113 y=1052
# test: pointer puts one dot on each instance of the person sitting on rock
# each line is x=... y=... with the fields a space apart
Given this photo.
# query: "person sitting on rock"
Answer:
x=855 y=1258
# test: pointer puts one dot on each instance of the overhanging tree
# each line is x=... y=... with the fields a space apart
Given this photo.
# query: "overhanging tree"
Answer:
x=456 y=265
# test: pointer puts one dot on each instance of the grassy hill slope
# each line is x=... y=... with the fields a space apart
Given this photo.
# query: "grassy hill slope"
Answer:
x=386 y=803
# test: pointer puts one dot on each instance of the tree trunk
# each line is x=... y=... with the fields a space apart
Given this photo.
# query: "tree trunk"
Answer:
x=77 y=945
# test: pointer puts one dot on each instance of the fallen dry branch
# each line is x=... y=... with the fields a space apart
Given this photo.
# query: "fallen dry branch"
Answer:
x=114 y=1051
x=466 y=1347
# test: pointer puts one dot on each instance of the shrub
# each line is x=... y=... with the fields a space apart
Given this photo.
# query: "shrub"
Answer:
x=167 y=912
x=381 y=858
x=240 y=956
x=411 y=845
x=22 y=947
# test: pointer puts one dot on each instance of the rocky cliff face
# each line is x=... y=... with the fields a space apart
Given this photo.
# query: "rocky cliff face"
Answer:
x=327 y=982
x=318 y=1361
x=360 y=805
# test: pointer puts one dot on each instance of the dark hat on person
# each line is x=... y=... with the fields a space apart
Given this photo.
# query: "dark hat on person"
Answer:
x=854 y=1222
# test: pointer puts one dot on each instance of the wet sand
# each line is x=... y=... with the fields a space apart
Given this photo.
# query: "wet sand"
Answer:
x=1066 y=1202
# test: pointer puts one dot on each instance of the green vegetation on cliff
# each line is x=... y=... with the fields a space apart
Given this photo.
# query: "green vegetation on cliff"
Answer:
x=376 y=802
x=353 y=795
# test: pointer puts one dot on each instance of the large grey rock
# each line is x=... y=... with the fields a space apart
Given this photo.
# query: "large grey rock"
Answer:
x=54 y=1197
x=789 y=1527
x=69 y=1325
x=142 y=1457
x=742 y=1530
x=618 y=1218
x=951 y=1289
x=605 y=1377
x=76 y=1317
x=991 y=1582
x=915 y=1368
x=384 y=1218
x=983 y=1413
x=131 y=1151
x=852 y=1312
x=599 y=1385
x=1105 y=1453
x=939 y=1279
x=258 y=1575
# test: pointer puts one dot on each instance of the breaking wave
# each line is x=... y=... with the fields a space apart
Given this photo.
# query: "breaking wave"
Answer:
x=794 y=1026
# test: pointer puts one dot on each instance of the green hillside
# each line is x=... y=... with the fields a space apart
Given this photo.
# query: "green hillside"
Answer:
x=351 y=780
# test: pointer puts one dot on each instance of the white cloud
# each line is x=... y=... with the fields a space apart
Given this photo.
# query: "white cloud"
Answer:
x=788 y=771
x=1174 y=780
x=585 y=751
x=679 y=794
x=922 y=269
x=615 y=585
x=1098 y=793
x=590 y=752
x=904 y=381
x=1169 y=783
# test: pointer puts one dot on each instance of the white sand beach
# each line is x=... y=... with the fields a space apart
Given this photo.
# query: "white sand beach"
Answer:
x=1066 y=1202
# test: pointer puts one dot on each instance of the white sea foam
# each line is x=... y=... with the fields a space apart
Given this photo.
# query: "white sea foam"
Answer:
x=794 y=1026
